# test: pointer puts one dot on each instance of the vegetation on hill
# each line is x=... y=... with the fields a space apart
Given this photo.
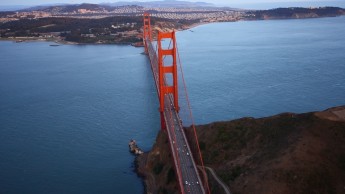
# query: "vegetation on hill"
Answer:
x=286 y=153
x=5 y=13
x=75 y=30
x=295 y=12
x=119 y=29
x=124 y=29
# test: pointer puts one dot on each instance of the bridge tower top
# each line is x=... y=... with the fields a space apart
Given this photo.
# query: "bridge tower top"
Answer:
x=147 y=34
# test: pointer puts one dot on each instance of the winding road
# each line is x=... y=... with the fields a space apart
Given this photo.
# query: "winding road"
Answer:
x=225 y=187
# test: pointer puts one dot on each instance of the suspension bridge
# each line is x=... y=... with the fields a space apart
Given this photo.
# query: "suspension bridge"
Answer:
x=164 y=65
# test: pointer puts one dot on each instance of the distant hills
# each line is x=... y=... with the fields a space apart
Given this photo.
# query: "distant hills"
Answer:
x=295 y=13
x=71 y=8
x=166 y=3
x=12 y=7
x=26 y=7
x=108 y=6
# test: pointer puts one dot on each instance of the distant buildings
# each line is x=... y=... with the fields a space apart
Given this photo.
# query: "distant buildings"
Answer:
x=206 y=14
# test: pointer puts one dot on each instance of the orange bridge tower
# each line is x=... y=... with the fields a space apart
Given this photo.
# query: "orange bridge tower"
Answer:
x=167 y=88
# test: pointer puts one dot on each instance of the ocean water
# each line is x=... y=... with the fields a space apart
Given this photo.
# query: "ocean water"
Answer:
x=261 y=68
x=68 y=112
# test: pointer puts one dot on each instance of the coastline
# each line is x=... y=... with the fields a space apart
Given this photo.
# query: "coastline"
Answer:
x=33 y=39
x=198 y=24
x=63 y=42
x=58 y=40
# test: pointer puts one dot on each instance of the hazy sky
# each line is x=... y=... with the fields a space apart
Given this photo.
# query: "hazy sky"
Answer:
x=219 y=2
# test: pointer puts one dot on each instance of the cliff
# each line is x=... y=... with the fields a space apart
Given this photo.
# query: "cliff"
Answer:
x=285 y=153
x=156 y=168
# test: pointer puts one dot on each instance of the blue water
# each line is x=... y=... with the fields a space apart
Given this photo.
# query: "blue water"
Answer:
x=263 y=68
x=67 y=113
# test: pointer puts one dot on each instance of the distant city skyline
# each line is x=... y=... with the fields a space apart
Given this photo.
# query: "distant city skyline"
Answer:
x=233 y=3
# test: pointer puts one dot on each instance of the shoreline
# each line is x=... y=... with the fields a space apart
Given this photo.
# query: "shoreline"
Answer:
x=58 y=41
x=33 y=39
x=189 y=27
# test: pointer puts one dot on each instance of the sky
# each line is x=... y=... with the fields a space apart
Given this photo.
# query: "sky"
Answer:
x=233 y=3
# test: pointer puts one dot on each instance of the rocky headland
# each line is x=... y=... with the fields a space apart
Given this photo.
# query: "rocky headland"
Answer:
x=285 y=153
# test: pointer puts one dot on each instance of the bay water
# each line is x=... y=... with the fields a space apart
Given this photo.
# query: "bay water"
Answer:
x=68 y=112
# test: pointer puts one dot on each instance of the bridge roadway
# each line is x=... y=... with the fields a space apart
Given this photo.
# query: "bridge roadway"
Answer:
x=187 y=173
x=178 y=142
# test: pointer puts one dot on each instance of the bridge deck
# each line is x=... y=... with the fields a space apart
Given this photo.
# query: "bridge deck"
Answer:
x=184 y=158
x=185 y=166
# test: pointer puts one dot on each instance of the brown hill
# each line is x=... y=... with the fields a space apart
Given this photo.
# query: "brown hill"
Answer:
x=286 y=153
x=295 y=13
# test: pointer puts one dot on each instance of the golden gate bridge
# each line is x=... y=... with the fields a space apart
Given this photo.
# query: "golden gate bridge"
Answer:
x=189 y=167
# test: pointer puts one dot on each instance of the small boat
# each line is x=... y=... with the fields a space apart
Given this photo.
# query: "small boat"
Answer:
x=54 y=45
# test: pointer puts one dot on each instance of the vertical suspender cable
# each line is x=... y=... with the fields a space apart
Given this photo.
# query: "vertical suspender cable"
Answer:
x=191 y=116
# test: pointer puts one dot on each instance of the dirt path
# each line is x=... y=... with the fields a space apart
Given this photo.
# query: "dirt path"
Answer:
x=225 y=187
x=333 y=114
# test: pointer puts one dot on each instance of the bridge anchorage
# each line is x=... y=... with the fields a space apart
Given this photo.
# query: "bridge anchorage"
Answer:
x=166 y=81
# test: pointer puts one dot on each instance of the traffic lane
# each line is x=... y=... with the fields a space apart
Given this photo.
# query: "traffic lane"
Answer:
x=188 y=168
x=185 y=159
x=186 y=174
x=193 y=182
x=171 y=126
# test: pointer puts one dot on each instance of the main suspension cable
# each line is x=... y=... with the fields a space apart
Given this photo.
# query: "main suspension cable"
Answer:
x=192 y=119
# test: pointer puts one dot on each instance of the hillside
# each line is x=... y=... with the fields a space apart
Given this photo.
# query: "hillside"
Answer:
x=91 y=8
x=110 y=30
x=103 y=24
x=285 y=153
x=295 y=13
